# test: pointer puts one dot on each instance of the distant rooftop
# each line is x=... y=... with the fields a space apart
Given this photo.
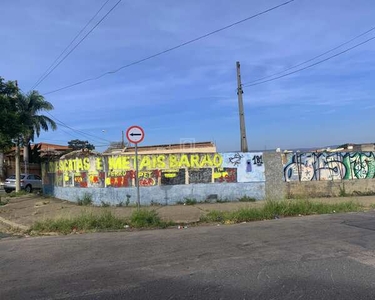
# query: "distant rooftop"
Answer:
x=196 y=147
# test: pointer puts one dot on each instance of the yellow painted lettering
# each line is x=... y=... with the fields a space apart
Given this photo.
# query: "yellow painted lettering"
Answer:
x=86 y=164
x=184 y=161
x=154 y=160
x=145 y=162
x=70 y=165
x=79 y=164
x=194 y=161
x=170 y=175
x=111 y=163
x=125 y=163
x=206 y=161
x=98 y=164
x=218 y=160
x=173 y=162
x=161 y=162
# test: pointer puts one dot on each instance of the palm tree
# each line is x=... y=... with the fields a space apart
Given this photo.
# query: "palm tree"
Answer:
x=30 y=106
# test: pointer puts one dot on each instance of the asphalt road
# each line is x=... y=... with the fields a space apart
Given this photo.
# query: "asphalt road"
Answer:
x=318 y=257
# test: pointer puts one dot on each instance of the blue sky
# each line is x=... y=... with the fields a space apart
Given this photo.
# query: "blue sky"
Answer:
x=190 y=93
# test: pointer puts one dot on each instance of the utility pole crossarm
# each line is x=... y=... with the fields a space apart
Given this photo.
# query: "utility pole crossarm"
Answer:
x=244 y=147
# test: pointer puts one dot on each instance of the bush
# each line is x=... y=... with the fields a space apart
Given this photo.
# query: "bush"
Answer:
x=105 y=204
x=147 y=218
x=86 y=200
x=247 y=199
x=190 y=201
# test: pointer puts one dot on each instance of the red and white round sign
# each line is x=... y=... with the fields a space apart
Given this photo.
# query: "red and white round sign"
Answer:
x=135 y=134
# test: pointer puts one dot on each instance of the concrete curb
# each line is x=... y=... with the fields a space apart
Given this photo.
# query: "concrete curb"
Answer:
x=12 y=224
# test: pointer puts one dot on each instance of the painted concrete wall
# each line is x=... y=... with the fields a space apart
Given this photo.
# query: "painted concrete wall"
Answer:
x=329 y=188
x=275 y=185
x=165 y=195
x=329 y=166
x=164 y=178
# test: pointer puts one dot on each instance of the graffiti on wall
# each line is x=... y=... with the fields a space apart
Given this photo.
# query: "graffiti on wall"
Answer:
x=155 y=169
x=329 y=166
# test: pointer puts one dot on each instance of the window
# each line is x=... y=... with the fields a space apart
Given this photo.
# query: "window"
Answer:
x=14 y=177
x=37 y=177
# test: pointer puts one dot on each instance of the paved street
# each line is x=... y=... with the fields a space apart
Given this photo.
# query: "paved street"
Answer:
x=317 y=257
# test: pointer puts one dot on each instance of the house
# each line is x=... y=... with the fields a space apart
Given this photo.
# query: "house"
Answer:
x=46 y=151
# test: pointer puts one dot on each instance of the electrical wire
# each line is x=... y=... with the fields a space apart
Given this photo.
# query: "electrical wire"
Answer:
x=67 y=47
x=311 y=59
x=82 y=133
x=169 y=49
x=84 y=37
x=312 y=65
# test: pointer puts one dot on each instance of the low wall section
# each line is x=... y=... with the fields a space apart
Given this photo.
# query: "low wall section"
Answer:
x=329 y=174
x=164 y=178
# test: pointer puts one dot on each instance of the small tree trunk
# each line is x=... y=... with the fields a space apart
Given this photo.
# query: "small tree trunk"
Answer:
x=26 y=155
x=1 y=165
x=18 y=173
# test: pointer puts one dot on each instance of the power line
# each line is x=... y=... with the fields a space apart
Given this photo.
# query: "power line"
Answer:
x=312 y=65
x=311 y=59
x=81 y=133
x=86 y=35
x=170 y=49
x=61 y=123
x=67 y=47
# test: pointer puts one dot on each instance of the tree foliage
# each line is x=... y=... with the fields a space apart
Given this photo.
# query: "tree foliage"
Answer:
x=80 y=145
x=10 y=120
x=30 y=107
x=20 y=115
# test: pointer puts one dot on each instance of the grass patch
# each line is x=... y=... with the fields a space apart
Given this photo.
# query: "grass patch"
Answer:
x=120 y=204
x=190 y=201
x=104 y=221
x=276 y=209
x=144 y=218
x=372 y=205
x=86 y=200
x=246 y=199
x=359 y=193
x=3 y=202
x=18 y=194
x=83 y=222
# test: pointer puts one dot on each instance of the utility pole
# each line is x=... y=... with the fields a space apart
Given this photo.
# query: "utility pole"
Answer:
x=122 y=139
x=17 y=160
x=241 y=111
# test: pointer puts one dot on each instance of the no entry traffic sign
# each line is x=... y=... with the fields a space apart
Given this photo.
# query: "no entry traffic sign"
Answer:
x=135 y=134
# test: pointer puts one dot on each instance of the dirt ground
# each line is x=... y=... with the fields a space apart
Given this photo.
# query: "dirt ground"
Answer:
x=25 y=210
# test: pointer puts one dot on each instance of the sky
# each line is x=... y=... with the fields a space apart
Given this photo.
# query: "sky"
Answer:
x=189 y=94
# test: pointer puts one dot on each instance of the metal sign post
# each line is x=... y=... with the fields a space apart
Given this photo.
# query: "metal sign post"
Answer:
x=137 y=177
x=135 y=135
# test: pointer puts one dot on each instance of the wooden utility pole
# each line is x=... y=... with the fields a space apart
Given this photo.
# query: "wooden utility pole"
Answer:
x=241 y=111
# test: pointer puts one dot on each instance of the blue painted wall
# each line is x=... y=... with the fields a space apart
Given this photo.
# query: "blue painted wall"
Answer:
x=173 y=178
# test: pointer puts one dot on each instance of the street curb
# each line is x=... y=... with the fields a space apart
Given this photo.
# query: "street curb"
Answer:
x=12 y=224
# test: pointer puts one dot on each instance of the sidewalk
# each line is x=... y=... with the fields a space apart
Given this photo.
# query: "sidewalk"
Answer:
x=25 y=210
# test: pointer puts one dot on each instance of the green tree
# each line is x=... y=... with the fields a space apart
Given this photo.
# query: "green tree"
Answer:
x=10 y=126
x=30 y=106
x=80 y=145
